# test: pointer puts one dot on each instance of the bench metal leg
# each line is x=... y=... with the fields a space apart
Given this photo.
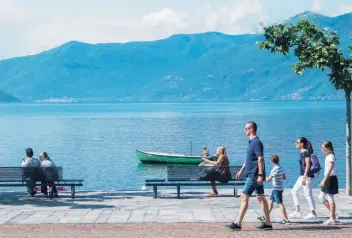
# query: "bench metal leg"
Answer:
x=50 y=191
x=155 y=190
x=73 y=191
x=178 y=191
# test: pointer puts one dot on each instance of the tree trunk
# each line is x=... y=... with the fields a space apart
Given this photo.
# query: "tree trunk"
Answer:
x=348 y=142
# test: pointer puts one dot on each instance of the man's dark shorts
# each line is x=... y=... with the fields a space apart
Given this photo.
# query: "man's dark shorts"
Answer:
x=251 y=185
x=276 y=196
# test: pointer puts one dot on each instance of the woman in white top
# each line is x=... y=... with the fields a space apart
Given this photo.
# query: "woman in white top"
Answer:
x=329 y=184
x=49 y=173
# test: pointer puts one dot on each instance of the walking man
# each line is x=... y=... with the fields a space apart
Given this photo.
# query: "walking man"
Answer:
x=254 y=169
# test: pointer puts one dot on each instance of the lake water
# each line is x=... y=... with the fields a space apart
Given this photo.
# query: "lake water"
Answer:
x=97 y=142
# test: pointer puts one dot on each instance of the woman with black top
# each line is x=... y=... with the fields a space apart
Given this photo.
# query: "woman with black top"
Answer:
x=305 y=180
x=329 y=184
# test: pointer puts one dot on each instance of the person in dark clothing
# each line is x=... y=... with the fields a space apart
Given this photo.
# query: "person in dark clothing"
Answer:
x=30 y=162
x=305 y=180
x=254 y=169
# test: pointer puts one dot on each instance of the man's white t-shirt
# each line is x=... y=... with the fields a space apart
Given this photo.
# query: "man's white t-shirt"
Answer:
x=328 y=159
x=30 y=162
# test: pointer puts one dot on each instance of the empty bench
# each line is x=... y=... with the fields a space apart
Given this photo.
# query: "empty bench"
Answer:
x=37 y=176
x=191 y=176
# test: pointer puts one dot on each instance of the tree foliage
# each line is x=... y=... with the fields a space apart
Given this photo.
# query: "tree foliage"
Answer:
x=313 y=46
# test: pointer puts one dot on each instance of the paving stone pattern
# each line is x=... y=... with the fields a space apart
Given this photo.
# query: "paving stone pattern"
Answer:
x=140 y=207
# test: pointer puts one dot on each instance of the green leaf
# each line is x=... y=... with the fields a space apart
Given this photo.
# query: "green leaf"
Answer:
x=262 y=45
x=314 y=47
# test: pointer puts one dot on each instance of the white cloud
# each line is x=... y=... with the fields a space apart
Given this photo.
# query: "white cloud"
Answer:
x=31 y=30
x=165 y=16
x=56 y=33
x=242 y=16
x=10 y=12
x=28 y=27
x=316 y=6
x=344 y=8
x=163 y=23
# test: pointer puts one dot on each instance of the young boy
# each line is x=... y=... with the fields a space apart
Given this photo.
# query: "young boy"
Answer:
x=277 y=175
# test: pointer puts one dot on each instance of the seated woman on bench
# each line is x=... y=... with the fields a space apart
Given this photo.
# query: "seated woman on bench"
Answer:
x=222 y=173
x=50 y=172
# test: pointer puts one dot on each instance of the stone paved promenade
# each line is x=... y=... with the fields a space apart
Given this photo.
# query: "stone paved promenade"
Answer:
x=140 y=207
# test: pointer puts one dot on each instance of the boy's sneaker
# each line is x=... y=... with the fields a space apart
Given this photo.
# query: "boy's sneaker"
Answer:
x=330 y=222
x=234 y=226
x=295 y=214
x=285 y=222
x=261 y=218
x=265 y=227
x=310 y=216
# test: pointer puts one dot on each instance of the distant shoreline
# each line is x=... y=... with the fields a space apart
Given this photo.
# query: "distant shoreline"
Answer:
x=173 y=102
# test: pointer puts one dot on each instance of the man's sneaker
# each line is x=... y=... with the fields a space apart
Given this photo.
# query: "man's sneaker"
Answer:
x=265 y=227
x=295 y=214
x=261 y=218
x=285 y=222
x=310 y=217
x=234 y=226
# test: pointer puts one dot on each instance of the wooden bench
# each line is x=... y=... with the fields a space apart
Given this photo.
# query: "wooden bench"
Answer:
x=191 y=176
x=29 y=176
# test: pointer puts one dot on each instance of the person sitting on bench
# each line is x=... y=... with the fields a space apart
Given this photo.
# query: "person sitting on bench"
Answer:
x=50 y=173
x=205 y=152
x=221 y=173
x=29 y=161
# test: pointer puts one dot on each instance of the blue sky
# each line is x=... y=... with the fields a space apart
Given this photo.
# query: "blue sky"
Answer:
x=31 y=26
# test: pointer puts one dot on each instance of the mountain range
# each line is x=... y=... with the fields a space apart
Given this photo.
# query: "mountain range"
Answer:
x=207 y=66
x=5 y=97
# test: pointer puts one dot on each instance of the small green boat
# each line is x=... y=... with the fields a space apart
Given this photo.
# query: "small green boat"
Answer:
x=157 y=157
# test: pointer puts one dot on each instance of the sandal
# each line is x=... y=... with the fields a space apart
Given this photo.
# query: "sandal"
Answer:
x=212 y=194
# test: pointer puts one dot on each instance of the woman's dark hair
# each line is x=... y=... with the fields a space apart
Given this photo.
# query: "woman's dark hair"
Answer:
x=306 y=145
x=46 y=156
x=328 y=145
x=29 y=152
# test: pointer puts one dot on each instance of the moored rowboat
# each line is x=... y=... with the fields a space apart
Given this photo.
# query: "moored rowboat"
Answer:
x=157 y=157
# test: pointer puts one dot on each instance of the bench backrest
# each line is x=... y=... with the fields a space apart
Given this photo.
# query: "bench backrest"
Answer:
x=186 y=173
x=17 y=174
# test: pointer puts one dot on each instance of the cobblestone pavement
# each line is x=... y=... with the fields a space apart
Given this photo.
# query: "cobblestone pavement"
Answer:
x=140 y=207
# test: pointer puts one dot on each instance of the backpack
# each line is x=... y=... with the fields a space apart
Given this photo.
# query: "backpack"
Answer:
x=314 y=165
